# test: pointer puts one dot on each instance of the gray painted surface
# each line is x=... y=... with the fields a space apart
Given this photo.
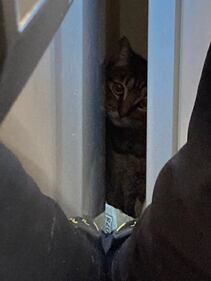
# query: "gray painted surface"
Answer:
x=93 y=107
x=79 y=110
x=80 y=144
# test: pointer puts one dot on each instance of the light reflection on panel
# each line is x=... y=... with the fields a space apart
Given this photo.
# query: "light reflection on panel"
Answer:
x=26 y=10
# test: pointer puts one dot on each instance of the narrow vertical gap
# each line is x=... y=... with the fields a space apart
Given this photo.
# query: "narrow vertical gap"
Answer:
x=176 y=77
x=125 y=68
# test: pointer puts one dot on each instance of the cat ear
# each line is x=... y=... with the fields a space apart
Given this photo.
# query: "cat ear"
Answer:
x=200 y=123
x=124 y=52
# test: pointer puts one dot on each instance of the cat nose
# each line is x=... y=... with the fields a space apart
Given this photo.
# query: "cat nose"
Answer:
x=122 y=112
x=124 y=108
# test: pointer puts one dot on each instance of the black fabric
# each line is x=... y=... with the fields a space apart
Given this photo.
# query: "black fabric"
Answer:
x=37 y=242
x=172 y=241
x=111 y=244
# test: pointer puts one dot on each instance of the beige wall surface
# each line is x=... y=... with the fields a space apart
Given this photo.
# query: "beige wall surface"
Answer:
x=112 y=28
x=29 y=128
x=127 y=18
x=133 y=23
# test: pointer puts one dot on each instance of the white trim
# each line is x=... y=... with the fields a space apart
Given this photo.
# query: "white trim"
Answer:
x=163 y=84
x=195 y=40
x=69 y=111
x=80 y=163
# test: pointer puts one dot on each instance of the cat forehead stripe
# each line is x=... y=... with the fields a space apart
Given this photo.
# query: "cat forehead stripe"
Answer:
x=131 y=82
x=125 y=93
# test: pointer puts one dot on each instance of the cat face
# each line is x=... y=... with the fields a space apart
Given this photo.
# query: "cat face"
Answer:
x=126 y=86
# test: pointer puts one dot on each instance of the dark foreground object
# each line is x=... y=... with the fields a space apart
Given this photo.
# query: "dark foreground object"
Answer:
x=172 y=242
x=37 y=241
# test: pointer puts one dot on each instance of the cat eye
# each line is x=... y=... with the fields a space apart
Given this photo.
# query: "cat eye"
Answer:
x=142 y=106
x=142 y=103
x=117 y=89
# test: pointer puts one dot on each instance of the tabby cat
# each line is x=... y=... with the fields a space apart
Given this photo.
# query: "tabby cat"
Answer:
x=126 y=100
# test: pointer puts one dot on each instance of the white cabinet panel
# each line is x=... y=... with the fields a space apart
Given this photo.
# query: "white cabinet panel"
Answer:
x=195 y=40
x=163 y=58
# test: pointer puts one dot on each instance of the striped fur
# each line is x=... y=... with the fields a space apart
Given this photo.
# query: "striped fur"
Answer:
x=126 y=102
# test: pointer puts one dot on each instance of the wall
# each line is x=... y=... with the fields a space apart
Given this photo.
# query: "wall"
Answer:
x=112 y=22
x=55 y=125
x=69 y=87
x=133 y=23
x=179 y=36
x=29 y=128
x=93 y=106
x=195 y=40
x=163 y=80
x=127 y=18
